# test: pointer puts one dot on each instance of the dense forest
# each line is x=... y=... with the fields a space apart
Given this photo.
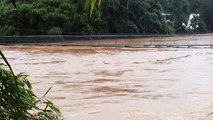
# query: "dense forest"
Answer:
x=55 y=17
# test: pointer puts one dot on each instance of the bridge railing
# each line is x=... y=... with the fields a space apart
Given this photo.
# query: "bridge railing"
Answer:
x=178 y=43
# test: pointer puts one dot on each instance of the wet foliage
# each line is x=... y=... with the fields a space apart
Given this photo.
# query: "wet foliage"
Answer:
x=18 y=101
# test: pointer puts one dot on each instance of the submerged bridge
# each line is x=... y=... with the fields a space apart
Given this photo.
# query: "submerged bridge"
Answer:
x=127 y=41
x=168 y=44
x=149 y=44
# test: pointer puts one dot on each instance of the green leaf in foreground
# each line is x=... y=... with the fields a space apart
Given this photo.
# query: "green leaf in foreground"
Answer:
x=18 y=101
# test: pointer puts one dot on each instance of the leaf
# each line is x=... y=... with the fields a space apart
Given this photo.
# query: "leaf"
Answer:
x=99 y=2
x=210 y=114
x=17 y=100
x=47 y=92
x=14 y=4
x=127 y=6
x=4 y=58
x=92 y=6
x=87 y=2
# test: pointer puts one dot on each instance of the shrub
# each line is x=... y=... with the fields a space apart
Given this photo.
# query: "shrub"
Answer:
x=7 y=30
x=55 y=31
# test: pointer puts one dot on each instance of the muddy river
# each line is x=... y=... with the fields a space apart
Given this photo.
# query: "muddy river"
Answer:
x=100 y=83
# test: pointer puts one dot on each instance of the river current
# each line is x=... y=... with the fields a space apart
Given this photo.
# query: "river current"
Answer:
x=106 y=83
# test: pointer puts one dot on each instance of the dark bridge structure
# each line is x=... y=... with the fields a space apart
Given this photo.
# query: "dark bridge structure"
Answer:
x=128 y=41
x=173 y=44
x=151 y=44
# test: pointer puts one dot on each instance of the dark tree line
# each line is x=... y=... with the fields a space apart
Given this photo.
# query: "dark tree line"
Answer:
x=35 y=17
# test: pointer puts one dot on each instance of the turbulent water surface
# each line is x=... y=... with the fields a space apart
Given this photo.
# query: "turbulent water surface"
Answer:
x=121 y=83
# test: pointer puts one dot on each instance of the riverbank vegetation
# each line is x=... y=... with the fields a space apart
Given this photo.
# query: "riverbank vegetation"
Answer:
x=18 y=101
x=56 y=17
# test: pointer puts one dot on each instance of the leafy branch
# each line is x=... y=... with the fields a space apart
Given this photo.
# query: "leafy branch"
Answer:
x=18 y=101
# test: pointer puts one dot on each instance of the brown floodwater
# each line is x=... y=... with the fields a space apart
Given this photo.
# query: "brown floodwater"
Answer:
x=106 y=83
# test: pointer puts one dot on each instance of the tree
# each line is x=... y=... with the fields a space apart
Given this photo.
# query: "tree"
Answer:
x=109 y=16
x=206 y=13
x=195 y=6
x=178 y=12
x=142 y=16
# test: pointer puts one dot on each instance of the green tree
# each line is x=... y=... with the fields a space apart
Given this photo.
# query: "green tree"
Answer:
x=195 y=6
x=178 y=13
x=108 y=16
x=142 y=16
x=206 y=13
